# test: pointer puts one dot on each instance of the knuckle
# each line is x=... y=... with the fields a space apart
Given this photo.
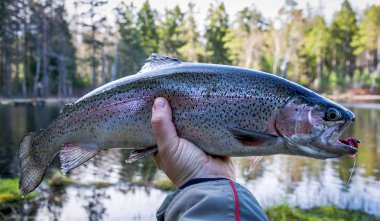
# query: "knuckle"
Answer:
x=157 y=120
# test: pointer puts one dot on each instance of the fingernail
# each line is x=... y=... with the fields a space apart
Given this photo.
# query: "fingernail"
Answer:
x=159 y=103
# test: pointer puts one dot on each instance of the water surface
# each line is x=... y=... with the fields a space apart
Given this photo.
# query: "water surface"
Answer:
x=297 y=181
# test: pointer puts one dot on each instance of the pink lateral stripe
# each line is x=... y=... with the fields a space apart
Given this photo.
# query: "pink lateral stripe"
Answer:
x=237 y=214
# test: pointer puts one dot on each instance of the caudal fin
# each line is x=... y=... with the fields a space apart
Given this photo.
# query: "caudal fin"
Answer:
x=32 y=165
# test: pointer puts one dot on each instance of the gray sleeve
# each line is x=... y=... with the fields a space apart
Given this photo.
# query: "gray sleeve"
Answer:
x=211 y=200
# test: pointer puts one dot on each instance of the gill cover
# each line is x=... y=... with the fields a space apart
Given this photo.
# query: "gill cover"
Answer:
x=299 y=119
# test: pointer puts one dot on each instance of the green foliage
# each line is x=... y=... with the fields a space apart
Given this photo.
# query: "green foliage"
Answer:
x=164 y=184
x=147 y=28
x=132 y=53
x=316 y=39
x=9 y=192
x=82 y=82
x=58 y=181
x=172 y=32
x=301 y=46
x=343 y=29
x=216 y=32
x=369 y=31
x=325 y=213
x=191 y=50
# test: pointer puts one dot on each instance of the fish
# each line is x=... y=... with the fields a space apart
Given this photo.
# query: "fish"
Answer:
x=224 y=110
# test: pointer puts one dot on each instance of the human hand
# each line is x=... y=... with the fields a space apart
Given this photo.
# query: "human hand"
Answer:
x=180 y=159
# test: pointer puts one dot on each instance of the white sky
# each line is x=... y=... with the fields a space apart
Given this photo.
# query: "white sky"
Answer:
x=268 y=8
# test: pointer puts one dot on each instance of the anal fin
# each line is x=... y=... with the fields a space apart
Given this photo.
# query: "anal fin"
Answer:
x=140 y=154
x=73 y=155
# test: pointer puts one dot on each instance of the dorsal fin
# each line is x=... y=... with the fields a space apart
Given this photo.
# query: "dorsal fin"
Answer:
x=157 y=61
x=65 y=107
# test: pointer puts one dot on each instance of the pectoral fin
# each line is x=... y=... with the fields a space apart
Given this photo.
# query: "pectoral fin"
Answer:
x=73 y=155
x=251 y=138
x=140 y=154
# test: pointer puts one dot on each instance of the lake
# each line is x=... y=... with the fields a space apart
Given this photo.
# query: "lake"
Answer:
x=127 y=192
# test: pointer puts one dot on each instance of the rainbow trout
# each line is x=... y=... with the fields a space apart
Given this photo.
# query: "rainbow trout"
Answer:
x=224 y=110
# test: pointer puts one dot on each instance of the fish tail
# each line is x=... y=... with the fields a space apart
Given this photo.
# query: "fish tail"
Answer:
x=32 y=165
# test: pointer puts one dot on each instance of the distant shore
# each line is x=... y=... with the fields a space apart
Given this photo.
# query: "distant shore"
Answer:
x=352 y=98
x=37 y=101
x=370 y=99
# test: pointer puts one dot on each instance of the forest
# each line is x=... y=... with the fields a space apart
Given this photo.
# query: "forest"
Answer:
x=45 y=53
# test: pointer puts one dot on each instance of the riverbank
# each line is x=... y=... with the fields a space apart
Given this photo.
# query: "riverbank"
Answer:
x=58 y=183
x=353 y=98
x=36 y=101
x=342 y=98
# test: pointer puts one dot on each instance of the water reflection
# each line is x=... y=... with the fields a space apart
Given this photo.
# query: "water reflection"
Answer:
x=275 y=180
x=119 y=202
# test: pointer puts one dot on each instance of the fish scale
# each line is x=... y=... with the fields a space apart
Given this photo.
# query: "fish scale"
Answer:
x=223 y=110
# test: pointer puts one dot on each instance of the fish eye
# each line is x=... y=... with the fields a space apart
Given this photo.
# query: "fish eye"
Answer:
x=333 y=114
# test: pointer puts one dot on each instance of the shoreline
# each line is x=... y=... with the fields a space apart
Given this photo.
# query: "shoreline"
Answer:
x=357 y=101
x=37 y=101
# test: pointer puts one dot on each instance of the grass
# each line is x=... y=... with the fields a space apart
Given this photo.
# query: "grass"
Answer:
x=164 y=184
x=9 y=192
x=324 y=213
x=58 y=181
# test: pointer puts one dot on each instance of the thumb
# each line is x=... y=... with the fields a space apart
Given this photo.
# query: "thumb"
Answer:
x=162 y=125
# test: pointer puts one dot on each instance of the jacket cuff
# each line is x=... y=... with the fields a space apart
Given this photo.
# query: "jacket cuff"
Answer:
x=199 y=180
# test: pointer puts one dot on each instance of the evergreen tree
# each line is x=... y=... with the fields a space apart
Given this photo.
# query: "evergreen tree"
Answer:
x=132 y=54
x=315 y=44
x=216 y=30
x=147 y=28
x=343 y=29
x=172 y=32
x=367 y=39
x=245 y=39
x=91 y=37
x=191 y=50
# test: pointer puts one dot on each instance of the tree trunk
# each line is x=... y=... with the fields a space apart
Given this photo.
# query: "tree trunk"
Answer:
x=376 y=62
x=104 y=68
x=60 y=76
x=93 y=47
x=64 y=80
x=377 y=59
x=25 y=54
x=37 y=73
x=249 y=50
x=6 y=74
x=17 y=82
x=45 y=77
x=334 y=60
x=115 y=63
x=319 y=74
x=285 y=63
x=277 y=51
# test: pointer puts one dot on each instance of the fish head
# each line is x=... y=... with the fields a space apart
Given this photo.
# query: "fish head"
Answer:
x=312 y=127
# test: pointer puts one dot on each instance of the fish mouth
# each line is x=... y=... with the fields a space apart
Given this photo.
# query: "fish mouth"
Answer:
x=336 y=145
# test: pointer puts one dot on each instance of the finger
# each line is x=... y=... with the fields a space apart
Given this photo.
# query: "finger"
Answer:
x=162 y=125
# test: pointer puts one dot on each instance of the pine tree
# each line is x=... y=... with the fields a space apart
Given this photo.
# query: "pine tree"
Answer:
x=367 y=39
x=245 y=39
x=343 y=29
x=91 y=37
x=132 y=54
x=315 y=45
x=172 y=32
x=216 y=30
x=147 y=28
x=191 y=50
